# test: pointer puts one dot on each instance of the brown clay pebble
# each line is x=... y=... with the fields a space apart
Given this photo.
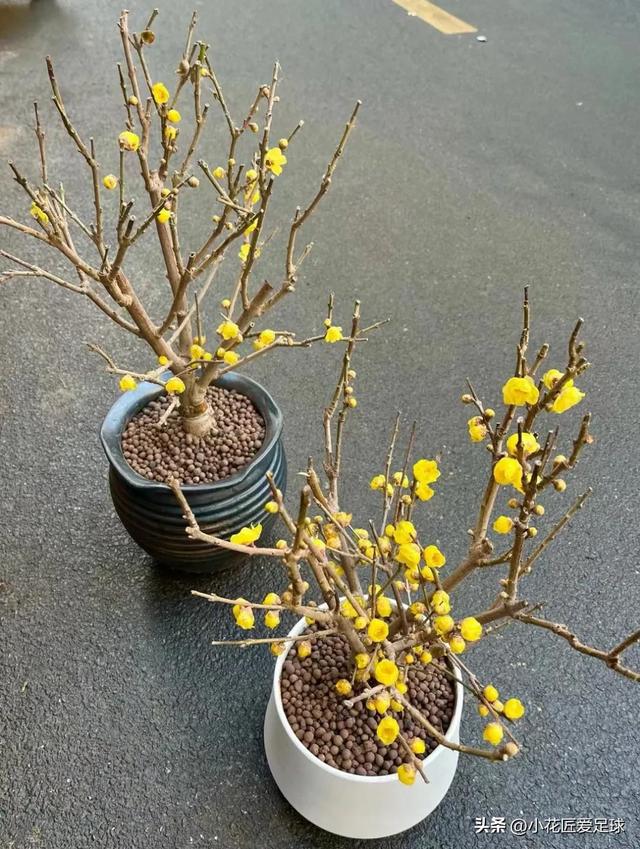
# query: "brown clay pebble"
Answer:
x=346 y=737
x=160 y=452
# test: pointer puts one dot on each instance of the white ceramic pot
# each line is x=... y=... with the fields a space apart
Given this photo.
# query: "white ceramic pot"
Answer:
x=352 y=805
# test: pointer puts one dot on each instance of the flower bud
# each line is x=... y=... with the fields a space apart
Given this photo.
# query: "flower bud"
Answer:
x=283 y=144
x=466 y=398
x=559 y=485
x=147 y=36
x=193 y=182
x=253 y=127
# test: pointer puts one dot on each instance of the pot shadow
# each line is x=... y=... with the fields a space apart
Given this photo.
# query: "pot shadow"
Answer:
x=218 y=694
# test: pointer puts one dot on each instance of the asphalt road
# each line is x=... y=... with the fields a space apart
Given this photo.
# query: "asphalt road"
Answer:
x=476 y=168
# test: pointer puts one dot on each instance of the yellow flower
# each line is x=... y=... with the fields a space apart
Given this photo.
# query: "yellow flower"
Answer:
x=304 y=649
x=170 y=133
x=271 y=598
x=219 y=172
x=418 y=746
x=377 y=482
x=508 y=471
x=228 y=330
x=272 y=619
x=378 y=630
x=503 y=525
x=362 y=660
x=426 y=657
x=160 y=92
x=519 y=390
x=347 y=609
x=559 y=485
x=386 y=672
x=110 y=181
x=271 y=507
x=400 y=480
x=231 y=358
x=428 y=574
x=529 y=444
x=129 y=141
x=417 y=609
x=426 y=471
x=434 y=557
x=477 y=429
x=277 y=649
x=247 y=536
x=343 y=687
x=252 y=175
x=244 y=617
x=440 y=602
x=483 y=710
x=408 y=554
x=243 y=253
x=162 y=360
x=274 y=160
x=457 y=644
x=513 y=709
x=127 y=383
x=551 y=377
x=196 y=351
x=443 y=624
x=333 y=334
x=490 y=693
x=382 y=702
x=343 y=519
x=406 y=773
x=383 y=606
x=39 y=214
x=404 y=532
x=569 y=396
x=471 y=629
x=174 y=116
x=175 y=386
x=424 y=491
x=163 y=216
x=492 y=733
x=267 y=337
x=387 y=731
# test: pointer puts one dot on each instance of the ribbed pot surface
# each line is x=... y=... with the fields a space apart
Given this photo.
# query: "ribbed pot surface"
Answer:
x=149 y=510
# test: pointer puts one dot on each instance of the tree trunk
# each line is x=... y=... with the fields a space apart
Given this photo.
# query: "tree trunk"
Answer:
x=194 y=409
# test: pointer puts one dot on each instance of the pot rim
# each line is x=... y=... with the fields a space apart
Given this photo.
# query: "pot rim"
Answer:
x=378 y=779
x=130 y=403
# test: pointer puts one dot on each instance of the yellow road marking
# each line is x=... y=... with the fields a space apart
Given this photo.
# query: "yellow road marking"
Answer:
x=437 y=17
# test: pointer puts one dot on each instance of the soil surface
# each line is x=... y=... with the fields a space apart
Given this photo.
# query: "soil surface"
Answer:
x=158 y=452
x=343 y=737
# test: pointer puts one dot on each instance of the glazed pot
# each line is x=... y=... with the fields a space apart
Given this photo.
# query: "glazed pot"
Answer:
x=346 y=804
x=149 y=510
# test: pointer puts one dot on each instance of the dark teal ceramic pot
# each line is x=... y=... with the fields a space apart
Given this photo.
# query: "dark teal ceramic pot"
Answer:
x=149 y=510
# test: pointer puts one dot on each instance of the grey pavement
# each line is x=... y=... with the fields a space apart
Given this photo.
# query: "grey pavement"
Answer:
x=476 y=168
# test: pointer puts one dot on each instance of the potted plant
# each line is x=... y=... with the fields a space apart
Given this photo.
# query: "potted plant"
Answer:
x=190 y=415
x=362 y=728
